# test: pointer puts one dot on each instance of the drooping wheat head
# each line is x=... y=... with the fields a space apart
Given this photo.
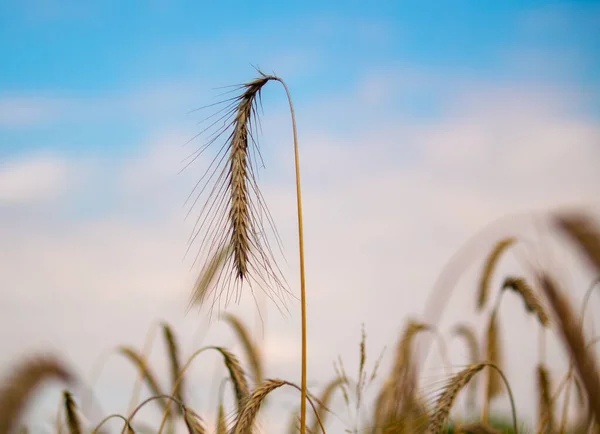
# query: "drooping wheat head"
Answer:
x=585 y=233
x=73 y=421
x=173 y=354
x=532 y=303
x=448 y=396
x=250 y=348
x=574 y=340
x=26 y=376
x=145 y=371
x=245 y=419
x=488 y=270
x=234 y=212
x=193 y=422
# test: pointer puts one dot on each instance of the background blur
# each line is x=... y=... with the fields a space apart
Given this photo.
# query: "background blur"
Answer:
x=419 y=124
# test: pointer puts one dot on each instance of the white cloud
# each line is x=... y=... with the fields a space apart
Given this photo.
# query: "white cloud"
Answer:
x=32 y=179
x=384 y=212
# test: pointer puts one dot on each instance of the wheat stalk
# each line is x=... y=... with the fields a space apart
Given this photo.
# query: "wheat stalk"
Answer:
x=323 y=402
x=235 y=211
x=586 y=299
x=545 y=404
x=236 y=373
x=146 y=401
x=127 y=425
x=468 y=334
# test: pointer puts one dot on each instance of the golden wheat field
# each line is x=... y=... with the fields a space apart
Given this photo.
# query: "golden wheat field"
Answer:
x=230 y=238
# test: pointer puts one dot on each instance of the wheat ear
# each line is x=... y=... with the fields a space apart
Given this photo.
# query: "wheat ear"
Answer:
x=235 y=211
x=193 y=422
x=236 y=373
x=73 y=421
x=584 y=232
x=488 y=270
x=173 y=353
x=250 y=348
x=20 y=384
x=532 y=303
x=245 y=419
x=144 y=370
x=573 y=339
x=494 y=356
x=455 y=385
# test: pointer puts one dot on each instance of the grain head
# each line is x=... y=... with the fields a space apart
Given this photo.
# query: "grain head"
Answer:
x=193 y=422
x=233 y=216
x=247 y=416
x=252 y=350
x=494 y=355
x=574 y=341
x=448 y=396
x=585 y=233
x=532 y=303
x=173 y=354
x=22 y=382
x=142 y=366
x=73 y=421
x=237 y=375
x=488 y=270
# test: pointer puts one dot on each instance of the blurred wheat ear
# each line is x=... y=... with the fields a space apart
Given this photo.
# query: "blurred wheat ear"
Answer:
x=21 y=383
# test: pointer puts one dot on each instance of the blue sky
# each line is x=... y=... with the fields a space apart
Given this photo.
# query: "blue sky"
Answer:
x=70 y=51
x=420 y=123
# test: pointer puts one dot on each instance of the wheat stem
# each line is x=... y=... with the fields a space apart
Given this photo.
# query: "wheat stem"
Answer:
x=301 y=252
x=109 y=417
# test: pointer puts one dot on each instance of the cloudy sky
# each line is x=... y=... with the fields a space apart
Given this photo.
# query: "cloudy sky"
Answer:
x=420 y=124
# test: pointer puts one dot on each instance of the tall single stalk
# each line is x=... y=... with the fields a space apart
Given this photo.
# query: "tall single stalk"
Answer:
x=302 y=275
x=234 y=214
